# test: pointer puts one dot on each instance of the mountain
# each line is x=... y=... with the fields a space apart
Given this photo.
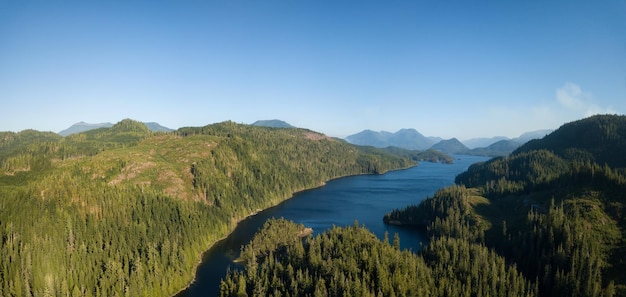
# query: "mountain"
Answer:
x=500 y=148
x=500 y=145
x=371 y=138
x=482 y=142
x=83 y=127
x=429 y=155
x=538 y=134
x=403 y=138
x=600 y=139
x=451 y=146
x=409 y=139
x=155 y=127
x=434 y=139
x=553 y=206
x=485 y=142
x=272 y=124
x=413 y=140
x=124 y=211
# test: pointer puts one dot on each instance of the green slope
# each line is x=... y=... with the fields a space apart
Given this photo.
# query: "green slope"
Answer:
x=123 y=211
x=351 y=261
x=555 y=209
x=600 y=139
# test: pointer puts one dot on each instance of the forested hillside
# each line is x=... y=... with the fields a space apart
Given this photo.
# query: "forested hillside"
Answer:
x=351 y=261
x=598 y=139
x=554 y=209
x=123 y=211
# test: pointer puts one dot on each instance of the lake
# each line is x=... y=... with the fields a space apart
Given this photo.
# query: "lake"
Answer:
x=365 y=198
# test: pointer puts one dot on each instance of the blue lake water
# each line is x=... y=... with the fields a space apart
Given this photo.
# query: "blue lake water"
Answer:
x=364 y=198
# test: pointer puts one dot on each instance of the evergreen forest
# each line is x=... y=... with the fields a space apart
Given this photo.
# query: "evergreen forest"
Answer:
x=124 y=211
x=547 y=220
x=555 y=209
x=352 y=261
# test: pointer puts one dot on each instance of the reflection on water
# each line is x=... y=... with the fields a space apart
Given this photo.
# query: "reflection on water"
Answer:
x=365 y=198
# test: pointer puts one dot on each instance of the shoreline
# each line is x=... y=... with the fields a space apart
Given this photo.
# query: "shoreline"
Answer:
x=199 y=262
x=323 y=183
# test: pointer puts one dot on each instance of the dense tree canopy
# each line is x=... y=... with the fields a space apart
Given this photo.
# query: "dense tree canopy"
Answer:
x=122 y=211
x=351 y=261
x=550 y=209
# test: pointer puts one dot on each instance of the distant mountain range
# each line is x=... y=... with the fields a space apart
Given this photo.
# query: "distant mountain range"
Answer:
x=483 y=141
x=83 y=127
x=156 y=127
x=500 y=148
x=552 y=208
x=273 y=124
x=413 y=140
x=404 y=138
x=409 y=139
x=532 y=135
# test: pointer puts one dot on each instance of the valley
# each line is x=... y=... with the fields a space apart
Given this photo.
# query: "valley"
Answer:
x=124 y=210
x=312 y=148
x=548 y=220
x=341 y=202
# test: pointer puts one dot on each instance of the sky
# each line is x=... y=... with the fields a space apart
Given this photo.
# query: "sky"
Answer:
x=460 y=69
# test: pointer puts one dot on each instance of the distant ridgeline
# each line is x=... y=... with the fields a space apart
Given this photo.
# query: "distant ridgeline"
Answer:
x=124 y=211
x=84 y=127
x=413 y=140
x=555 y=209
x=272 y=124
x=549 y=220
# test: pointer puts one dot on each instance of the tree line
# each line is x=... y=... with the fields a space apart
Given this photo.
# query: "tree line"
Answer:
x=351 y=261
x=123 y=211
x=551 y=209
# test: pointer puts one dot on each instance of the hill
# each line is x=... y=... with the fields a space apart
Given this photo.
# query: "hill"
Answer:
x=482 y=142
x=500 y=148
x=370 y=138
x=351 y=261
x=451 y=146
x=505 y=146
x=156 y=127
x=124 y=211
x=403 y=138
x=554 y=209
x=272 y=124
x=528 y=136
x=599 y=139
x=429 y=155
x=84 y=127
x=486 y=142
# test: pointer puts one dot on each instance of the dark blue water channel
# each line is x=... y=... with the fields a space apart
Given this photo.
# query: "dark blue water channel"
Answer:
x=365 y=198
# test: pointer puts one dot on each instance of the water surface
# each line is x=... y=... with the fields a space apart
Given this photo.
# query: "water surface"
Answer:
x=365 y=198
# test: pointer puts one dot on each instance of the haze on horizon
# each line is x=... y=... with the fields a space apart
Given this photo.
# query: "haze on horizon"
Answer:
x=445 y=68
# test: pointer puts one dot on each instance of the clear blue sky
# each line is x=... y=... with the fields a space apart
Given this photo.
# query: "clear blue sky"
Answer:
x=446 y=68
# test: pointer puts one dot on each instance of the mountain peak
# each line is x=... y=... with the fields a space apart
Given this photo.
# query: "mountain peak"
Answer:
x=600 y=136
x=532 y=135
x=156 y=127
x=272 y=123
x=84 y=127
x=483 y=141
x=451 y=146
x=403 y=138
x=129 y=125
